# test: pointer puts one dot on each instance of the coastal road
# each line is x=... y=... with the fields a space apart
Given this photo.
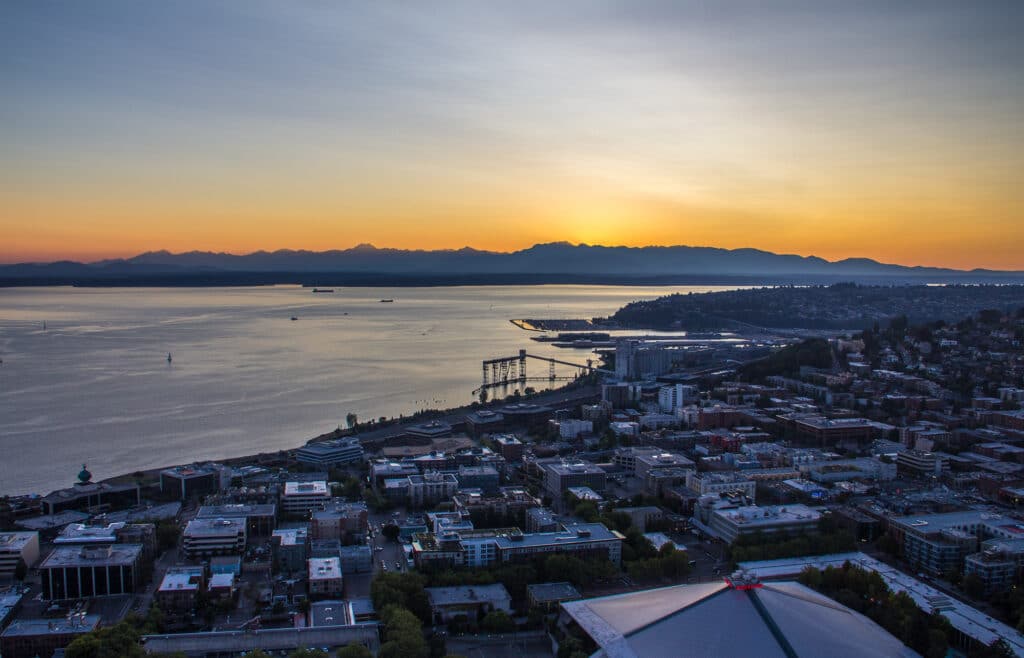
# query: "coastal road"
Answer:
x=556 y=399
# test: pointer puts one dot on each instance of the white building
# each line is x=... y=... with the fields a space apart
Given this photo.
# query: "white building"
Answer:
x=325 y=577
x=431 y=488
x=671 y=398
x=573 y=427
x=18 y=547
x=719 y=483
x=301 y=498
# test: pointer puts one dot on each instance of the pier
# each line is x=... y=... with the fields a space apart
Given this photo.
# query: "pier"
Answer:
x=510 y=370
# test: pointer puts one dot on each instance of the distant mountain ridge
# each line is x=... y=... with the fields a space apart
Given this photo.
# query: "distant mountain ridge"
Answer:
x=556 y=258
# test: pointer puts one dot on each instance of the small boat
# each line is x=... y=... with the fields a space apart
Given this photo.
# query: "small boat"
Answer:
x=323 y=289
x=294 y=318
x=386 y=301
x=168 y=357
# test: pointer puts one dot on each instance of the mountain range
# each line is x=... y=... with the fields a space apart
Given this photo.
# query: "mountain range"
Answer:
x=552 y=262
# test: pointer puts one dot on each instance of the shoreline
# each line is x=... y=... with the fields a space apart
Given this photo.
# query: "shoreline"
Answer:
x=396 y=425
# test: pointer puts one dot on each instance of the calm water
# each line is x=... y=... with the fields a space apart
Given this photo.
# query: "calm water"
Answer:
x=95 y=386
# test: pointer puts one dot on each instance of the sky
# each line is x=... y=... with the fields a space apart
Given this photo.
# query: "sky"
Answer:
x=839 y=129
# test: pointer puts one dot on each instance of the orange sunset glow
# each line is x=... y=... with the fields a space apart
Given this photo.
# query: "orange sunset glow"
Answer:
x=889 y=139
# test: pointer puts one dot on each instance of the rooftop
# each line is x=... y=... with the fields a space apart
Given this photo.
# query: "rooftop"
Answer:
x=182 y=578
x=769 y=515
x=330 y=613
x=30 y=627
x=241 y=511
x=327 y=448
x=214 y=527
x=292 y=536
x=318 y=488
x=87 y=556
x=324 y=568
x=573 y=468
x=16 y=541
x=467 y=595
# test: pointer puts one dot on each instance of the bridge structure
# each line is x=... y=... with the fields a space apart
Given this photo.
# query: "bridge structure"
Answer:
x=511 y=370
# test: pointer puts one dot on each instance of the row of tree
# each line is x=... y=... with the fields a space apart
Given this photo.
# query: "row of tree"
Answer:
x=867 y=593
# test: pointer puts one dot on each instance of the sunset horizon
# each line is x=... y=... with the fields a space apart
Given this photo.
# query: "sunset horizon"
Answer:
x=86 y=257
x=891 y=133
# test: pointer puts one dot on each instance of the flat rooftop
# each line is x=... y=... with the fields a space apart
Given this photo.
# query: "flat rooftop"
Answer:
x=242 y=511
x=34 y=627
x=948 y=520
x=575 y=468
x=51 y=521
x=318 y=488
x=182 y=578
x=16 y=541
x=79 y=533
x=92 y=556
x=292 y=536
x=753 y=515
x=553 y=592
x=330 y=613
x=467 y=595
x=214 y=527
x=324 y=568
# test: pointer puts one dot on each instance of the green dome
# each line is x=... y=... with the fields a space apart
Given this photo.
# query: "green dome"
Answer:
x=84 y=475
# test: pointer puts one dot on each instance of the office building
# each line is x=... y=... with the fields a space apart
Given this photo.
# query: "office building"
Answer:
x=483 y=421
x=346 y=521
x=922 y=464
x=430 y=489
x=638 y=461
x=776 y=520
x=78 y=572
x=192 y=482
x=290 y=549
x=671 y=398
x=509 y=447
x=260 y=520
x=559 y=476
x=15 y=548
x=206 y=537
x=356 y=559
x=480 y=548
x=484 y=478
x=327 y=454
x=732 y=483
x=997 y=564
x=302 y=498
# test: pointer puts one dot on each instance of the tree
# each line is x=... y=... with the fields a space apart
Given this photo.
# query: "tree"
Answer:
x=391 y=531
x=973 y=586
x=353 y=650
x=498 y=621
x=121 y=640
x=308 y=653
x=351 y=420
x=167 y=534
